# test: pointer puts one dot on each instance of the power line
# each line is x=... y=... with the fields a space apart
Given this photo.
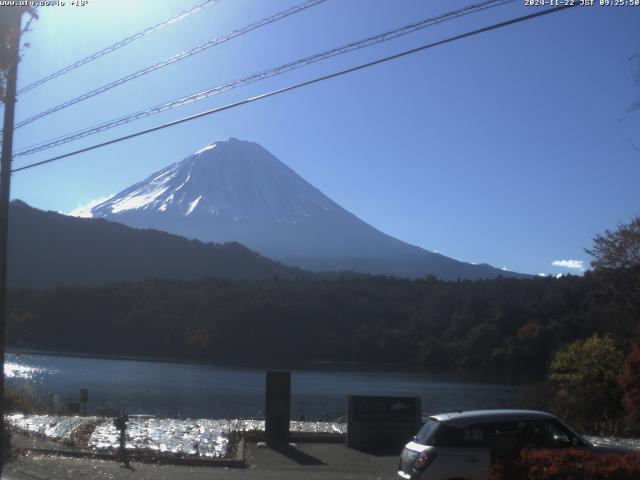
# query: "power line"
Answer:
x=112 y=48
x=372 y=40
x=173 y=59
x=389 y=35
x=300 y=85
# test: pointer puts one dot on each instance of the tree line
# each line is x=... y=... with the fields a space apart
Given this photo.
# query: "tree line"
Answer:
x=506 y=324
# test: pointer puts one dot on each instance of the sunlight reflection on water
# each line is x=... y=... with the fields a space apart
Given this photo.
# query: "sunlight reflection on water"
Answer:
x=16 y=370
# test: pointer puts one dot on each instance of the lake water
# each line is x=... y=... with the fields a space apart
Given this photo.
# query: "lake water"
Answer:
x=204 y=391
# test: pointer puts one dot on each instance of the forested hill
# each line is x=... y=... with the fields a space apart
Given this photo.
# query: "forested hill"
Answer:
x=49 y=249
x=502 y=324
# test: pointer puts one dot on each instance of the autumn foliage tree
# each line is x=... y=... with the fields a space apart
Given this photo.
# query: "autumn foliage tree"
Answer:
x=617 y=270
x=617 y=264
x=619 y=249
x=586 y=374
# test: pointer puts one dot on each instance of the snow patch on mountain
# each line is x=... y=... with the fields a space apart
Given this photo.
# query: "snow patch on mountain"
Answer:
x=208 y=147
x=193 y=205
x=137 y=200
x=183 y=183
x=85 y=210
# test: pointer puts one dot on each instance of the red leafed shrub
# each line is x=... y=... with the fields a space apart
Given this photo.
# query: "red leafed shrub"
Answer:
x=570 y=464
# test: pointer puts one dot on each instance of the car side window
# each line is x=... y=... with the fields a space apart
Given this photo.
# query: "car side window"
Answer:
x=447 y=436
x=472 y=436
x=546 y=434
x=500 y=428
x=557 y=437
x=502 y=438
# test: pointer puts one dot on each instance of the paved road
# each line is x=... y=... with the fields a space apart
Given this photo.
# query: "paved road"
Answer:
x=309 y=461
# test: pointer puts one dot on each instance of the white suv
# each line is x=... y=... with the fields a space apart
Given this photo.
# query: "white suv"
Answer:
x=462 y=445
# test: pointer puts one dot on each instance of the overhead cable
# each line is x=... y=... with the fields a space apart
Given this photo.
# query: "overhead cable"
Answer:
x=299 y=85
x=112 y=48
x=366 y=42
x=173 y=59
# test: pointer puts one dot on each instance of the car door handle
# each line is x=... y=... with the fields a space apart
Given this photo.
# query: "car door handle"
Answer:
x=472 y=459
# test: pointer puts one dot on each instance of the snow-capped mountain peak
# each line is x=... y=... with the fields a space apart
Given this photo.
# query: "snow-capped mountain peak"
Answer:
x=232 y=178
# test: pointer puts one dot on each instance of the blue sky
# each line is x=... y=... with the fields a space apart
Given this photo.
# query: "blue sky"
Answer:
x=511 y=148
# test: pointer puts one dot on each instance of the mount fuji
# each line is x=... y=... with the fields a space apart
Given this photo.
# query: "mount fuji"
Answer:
x=237 y=191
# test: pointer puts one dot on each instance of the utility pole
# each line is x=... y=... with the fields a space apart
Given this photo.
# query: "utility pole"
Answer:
x=12 y=24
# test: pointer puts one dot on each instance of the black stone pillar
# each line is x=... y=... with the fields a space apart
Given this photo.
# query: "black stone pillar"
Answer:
x=278 y=408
